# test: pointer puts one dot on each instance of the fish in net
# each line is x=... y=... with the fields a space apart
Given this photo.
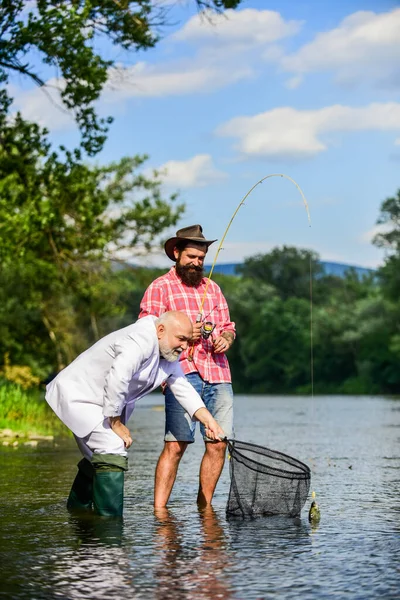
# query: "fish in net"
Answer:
x=265 y=482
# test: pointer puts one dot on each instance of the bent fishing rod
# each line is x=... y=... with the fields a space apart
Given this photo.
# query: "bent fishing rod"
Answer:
x=241 y=203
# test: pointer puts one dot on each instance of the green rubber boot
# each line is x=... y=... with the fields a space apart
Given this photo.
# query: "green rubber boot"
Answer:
x=80 y=498
x=108 y=484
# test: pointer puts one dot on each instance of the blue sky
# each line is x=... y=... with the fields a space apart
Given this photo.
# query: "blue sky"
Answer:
x=308 y=89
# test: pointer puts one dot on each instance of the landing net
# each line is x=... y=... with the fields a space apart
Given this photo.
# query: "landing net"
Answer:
x=265 y=482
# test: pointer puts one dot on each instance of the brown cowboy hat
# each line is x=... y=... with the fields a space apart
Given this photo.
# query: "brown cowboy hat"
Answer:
x=193 y=233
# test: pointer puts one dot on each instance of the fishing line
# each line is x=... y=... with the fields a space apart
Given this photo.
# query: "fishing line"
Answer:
x=311 y=333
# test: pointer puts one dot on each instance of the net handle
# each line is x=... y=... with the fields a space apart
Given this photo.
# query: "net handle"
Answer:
x=229 y=442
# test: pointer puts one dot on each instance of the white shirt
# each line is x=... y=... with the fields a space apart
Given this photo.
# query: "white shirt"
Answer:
x=112 y=375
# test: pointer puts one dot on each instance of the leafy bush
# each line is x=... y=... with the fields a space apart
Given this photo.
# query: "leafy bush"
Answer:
x=27 y=411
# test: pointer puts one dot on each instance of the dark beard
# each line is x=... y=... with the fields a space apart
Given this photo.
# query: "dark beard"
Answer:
x=189 y=277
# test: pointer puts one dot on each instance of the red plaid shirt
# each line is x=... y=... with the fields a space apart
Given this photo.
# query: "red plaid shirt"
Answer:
x=168 y=292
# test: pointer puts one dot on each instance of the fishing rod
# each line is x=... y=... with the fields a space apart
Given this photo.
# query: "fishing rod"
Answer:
x=241 y=203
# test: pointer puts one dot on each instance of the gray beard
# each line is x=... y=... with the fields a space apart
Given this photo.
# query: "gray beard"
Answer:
x=169 y=355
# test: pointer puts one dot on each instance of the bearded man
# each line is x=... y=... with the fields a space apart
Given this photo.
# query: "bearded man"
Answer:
x=204 y=362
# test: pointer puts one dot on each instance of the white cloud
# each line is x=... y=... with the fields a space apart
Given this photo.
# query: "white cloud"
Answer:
x=368 y=236
x=224 y=45
x=272 y=53
x=43 y=105
x=198 y=171
x=247 y=27
x=145 y=80
x=294 y=82
x=295 y=134
x=364 y=47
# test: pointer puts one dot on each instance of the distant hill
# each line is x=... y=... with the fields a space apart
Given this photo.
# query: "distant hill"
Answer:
x=330 y=268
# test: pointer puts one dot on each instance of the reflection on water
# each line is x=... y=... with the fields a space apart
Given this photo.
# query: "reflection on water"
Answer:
x=91 y=530
x=181 y=572
x=96 y=566
x=352 y=447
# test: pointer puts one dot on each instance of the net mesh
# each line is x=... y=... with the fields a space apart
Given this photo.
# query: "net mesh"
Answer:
x=265 y=482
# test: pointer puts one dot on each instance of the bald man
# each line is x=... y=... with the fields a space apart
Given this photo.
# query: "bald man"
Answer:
x=96 y=394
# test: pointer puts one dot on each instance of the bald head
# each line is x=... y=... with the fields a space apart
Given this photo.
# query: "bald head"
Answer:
x=174 y=331
x=174 y=318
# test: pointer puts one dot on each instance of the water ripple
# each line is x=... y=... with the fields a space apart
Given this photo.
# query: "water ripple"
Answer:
x=184 y=553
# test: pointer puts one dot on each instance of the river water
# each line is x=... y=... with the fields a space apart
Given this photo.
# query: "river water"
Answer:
x=351 y=445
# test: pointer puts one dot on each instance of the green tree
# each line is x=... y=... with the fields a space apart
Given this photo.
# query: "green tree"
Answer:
x=389 y=239
x=62 y=221
x=286 y=268
x=351 y=323
x=271 y=353
x=389 y=277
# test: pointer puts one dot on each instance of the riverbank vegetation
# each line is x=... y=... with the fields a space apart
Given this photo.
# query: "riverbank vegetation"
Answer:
x=24 y=414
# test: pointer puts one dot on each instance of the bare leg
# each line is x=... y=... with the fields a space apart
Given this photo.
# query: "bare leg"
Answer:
x=210 y=471
x=166 y=470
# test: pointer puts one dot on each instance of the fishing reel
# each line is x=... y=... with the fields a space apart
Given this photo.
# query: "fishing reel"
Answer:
x=206 y=329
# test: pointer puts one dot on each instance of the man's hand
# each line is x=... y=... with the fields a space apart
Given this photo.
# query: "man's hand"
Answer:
x=196 y=331
x=223 y=342
x=121 y=430
x=213 y=430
